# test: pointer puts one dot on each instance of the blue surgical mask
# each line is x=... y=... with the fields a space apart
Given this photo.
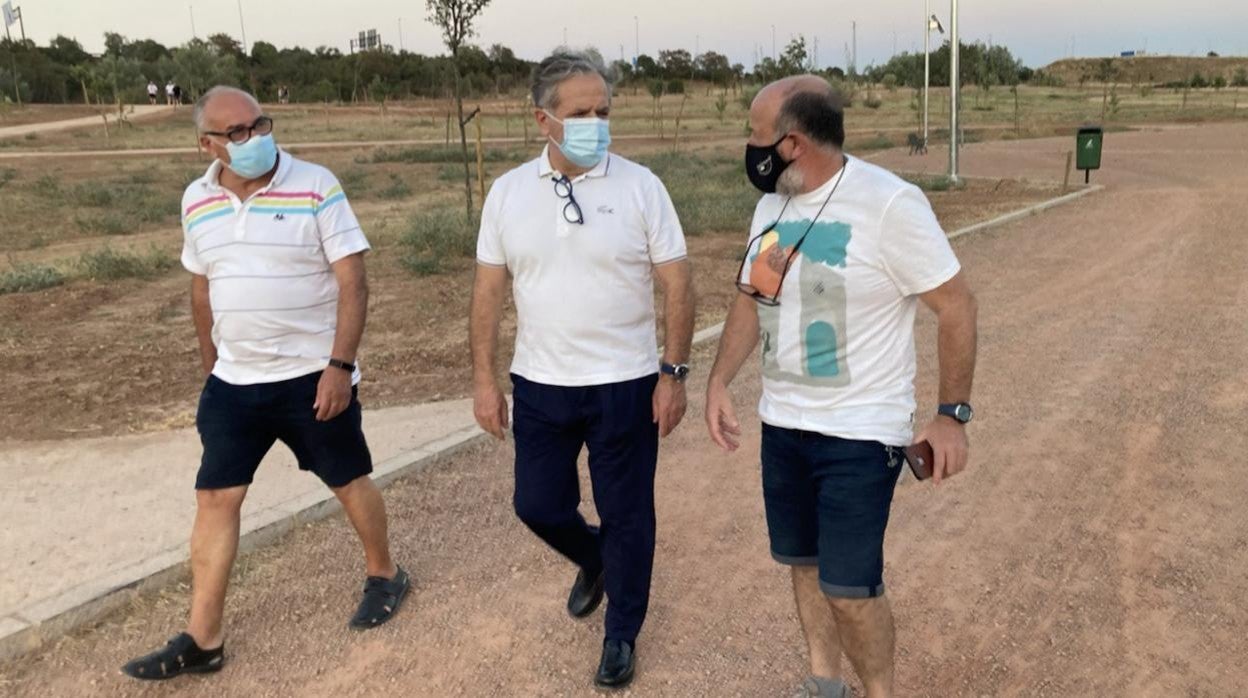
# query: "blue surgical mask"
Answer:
x=254 y=158
x=585 y=140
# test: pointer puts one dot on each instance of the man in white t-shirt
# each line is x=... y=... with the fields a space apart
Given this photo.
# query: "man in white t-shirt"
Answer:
x=152 y=91
x=583 y=233
x=169 y=92
x=839 y=256
x=279 y=299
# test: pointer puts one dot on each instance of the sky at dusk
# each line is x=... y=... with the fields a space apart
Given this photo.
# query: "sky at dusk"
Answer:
x=1038 y=31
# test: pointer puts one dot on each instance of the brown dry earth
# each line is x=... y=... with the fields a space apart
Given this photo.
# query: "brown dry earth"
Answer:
x=120 y=357
x=1098 y=546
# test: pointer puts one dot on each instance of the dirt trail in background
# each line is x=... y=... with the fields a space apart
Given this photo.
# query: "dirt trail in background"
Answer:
x=136 y=111
x=1097 y=546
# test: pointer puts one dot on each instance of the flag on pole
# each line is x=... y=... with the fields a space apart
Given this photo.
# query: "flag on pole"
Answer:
x=9 y=18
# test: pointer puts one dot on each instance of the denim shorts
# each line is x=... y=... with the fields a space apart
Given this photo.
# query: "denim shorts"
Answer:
x=238 y=424
x=827 y=502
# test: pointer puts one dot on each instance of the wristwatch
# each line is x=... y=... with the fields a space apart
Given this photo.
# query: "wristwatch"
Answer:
x=678 y=371
x=960 y=411
x=339 y=363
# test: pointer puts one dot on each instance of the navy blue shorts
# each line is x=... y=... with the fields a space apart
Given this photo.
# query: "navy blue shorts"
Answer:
x=238 y=424
x=827 y=502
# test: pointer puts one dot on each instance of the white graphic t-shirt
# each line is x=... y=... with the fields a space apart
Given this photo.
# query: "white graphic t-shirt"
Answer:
x=838 y=350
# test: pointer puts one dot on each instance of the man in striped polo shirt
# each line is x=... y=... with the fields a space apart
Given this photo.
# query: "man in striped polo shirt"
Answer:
x=279 y=298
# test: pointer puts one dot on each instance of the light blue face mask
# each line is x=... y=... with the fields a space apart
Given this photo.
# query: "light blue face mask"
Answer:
x=585 y=140
x=254 y=158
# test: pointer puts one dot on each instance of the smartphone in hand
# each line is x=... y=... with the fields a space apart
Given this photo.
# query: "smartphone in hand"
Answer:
x=920 y=458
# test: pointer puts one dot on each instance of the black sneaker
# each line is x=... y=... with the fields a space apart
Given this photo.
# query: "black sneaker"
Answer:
x=180 y=656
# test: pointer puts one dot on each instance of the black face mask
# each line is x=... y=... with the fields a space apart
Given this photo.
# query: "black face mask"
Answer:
x=763 y=165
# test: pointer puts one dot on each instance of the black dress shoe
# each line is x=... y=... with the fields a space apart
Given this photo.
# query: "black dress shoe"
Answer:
x=586 y=594
x=616 y=668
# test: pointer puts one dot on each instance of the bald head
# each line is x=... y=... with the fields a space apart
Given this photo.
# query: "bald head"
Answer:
x=224 y=107
x=803 y=103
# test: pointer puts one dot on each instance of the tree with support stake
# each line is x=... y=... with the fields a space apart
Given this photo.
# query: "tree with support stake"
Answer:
x=455 y=19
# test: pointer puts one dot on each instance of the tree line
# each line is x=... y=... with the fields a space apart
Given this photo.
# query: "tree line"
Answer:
x=64 y=72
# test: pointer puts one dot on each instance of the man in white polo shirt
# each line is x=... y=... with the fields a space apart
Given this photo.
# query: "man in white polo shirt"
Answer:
x=279 y=298
x=583 y=234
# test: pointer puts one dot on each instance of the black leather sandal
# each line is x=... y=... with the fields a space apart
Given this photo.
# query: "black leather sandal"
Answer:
x=382 y=598
x=180 y=656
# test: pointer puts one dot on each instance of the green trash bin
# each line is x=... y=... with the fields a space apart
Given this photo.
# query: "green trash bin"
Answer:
x=1088 y=144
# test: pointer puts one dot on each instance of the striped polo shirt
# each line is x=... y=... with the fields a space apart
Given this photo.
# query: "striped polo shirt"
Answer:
x=268 y=262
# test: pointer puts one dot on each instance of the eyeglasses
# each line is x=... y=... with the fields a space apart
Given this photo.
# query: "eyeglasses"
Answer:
x=563 y=189
x=766 y=262
x=765 y=269
x=239 y=135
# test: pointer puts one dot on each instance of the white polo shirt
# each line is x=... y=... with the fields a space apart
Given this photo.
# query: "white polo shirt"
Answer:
x=584 y=293
x=274 y=295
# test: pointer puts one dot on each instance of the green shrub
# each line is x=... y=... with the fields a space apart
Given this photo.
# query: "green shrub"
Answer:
x=24 y=278
x=47 y=186
x=109 y=265
x=436 y=237
x=675 y=87
x=709 y=192
x=108 y=224
x=398 y=188
x=7 y=175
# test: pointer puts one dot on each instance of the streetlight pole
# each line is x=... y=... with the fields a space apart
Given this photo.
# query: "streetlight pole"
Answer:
x=773 y=42
x=191 y=8
x=636 y=40
x=927 y=62
x=241 y=26
x=954 y=50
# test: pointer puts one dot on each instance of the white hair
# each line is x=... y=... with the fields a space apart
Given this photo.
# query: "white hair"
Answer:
x=201 y=104
x=564 y=63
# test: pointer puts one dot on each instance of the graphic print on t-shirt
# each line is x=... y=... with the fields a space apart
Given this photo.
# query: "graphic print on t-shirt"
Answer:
x=820 y=301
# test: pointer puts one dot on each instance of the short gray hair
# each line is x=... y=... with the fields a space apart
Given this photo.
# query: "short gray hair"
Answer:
x=201 y=104
x=564 y=63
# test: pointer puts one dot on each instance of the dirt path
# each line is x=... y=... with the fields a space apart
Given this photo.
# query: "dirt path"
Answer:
x=135 y=111
x=1098 y=547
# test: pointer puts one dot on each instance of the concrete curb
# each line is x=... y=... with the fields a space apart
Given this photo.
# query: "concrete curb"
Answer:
x=44 y=621
x=1026 y=212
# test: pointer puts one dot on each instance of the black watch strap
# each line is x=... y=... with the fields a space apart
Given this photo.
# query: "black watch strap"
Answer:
x=339 y=363
x=678 y=371
x=961 y=411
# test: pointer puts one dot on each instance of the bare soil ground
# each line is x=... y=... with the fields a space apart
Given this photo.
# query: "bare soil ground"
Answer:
x=1097 y=547
x=120 y=357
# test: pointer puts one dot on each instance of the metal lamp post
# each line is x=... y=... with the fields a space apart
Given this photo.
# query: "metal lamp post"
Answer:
x=929 y=23
x=954 y=79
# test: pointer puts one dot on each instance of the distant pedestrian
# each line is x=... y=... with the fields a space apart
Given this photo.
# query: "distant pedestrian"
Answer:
x=152 y=91
x=584 y=234
x=169 y=92
x=283 y=95
x=279 y=299
x=841 y=254
x=177 y=95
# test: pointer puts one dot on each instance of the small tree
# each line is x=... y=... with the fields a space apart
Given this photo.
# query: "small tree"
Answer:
x=455 y=18
x=656 y=89
x=721 y=105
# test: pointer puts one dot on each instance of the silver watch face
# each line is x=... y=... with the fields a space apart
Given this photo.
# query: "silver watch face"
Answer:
x=965 y=413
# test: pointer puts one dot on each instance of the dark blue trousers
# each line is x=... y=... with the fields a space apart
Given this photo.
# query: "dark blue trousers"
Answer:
x=616 y=423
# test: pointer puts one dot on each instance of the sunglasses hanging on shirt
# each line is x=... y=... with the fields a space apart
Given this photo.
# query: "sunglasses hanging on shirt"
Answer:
x=771 y=263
